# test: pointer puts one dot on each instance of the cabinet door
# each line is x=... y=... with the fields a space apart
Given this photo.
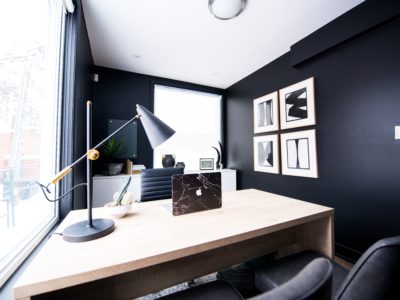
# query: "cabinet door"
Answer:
x=228 y=180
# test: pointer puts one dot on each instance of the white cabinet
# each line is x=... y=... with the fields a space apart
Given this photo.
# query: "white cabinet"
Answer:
x=104 y=187
x=228 y=178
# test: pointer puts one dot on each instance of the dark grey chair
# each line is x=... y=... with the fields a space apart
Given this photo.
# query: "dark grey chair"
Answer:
x=312 y=283
x=375 y=276
x=156 y=184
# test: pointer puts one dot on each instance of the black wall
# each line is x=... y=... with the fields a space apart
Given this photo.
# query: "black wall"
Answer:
x=115 y=97
x=357 y=105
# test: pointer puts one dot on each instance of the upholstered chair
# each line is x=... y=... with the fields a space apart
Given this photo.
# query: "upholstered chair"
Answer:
x=156 y=184
x=375 y=276
x=311 y=283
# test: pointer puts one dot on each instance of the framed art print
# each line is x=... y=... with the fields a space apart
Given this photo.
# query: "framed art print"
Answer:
x=297 y=104
x=266 y=116
x=206 y=163
x=266 y=154
x=299 y=153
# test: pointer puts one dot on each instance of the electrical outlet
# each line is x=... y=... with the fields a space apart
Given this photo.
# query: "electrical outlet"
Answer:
x=397 y=132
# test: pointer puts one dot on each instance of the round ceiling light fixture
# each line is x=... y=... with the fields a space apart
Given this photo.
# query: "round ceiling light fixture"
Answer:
x=226 y=9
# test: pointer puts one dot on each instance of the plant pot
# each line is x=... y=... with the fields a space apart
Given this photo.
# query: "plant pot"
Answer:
x=117 y=211
x=113 y=168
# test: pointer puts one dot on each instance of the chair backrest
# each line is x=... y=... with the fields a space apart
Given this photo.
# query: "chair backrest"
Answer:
x=313 y=282
x=156 y=184
x=376 y=275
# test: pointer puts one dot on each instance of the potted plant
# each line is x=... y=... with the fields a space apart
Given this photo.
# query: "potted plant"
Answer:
x=109 y=152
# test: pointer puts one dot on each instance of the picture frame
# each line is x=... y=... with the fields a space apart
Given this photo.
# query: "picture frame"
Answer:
x=297 y=104
x=299 y=153
x=206 y=163
x=266 y=154
x=266 y=113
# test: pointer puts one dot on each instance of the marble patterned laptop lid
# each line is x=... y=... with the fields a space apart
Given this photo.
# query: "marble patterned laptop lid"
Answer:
x=196 y=192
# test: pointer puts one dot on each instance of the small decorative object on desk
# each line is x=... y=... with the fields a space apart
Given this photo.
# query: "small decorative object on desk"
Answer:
x=168 y=160
x=180 y=164
x=137 y=169
x=122 y=201
x=219 y=155
x=206 y=163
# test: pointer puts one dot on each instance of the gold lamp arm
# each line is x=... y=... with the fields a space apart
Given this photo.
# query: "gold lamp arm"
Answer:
x=60 y=175
x=92 y=154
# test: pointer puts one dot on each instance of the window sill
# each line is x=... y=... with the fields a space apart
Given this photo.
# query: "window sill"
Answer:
x=24 y=258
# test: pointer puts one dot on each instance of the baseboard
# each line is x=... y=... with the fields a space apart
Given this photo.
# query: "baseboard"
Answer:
x=347 y=253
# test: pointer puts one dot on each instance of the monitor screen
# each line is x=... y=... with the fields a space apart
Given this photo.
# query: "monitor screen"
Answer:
x=128 y=136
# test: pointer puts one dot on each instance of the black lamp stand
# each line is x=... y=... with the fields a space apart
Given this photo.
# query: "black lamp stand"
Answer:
x=90 y=229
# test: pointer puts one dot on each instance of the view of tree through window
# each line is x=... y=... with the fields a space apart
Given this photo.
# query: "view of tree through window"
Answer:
x=28 y=117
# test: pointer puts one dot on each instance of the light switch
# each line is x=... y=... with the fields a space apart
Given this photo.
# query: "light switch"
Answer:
x=397 y=132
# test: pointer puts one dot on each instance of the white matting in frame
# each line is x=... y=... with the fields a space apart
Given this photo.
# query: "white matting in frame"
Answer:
x=299 y=153
x=297 y=104
x=266 y=116
x=266 y=154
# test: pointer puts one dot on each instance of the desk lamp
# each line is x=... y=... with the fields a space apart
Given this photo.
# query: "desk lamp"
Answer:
x=157 y=132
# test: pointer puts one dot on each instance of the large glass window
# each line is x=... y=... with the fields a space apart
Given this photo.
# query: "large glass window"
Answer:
x=196 y=118
x=30 y=60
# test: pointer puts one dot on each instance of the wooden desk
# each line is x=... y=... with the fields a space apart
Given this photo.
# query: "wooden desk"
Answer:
x=150 y=249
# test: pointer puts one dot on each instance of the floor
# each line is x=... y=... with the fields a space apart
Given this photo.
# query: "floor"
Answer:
x=180 y=287
x=211 y=277
x=344 y=263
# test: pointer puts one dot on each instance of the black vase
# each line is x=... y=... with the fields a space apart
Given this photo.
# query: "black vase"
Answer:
x=168 y=160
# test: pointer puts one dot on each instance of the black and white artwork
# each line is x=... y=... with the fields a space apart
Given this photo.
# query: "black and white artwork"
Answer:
x=299 y=153
x=297 y=104
x=266 y=113
x=266 y=155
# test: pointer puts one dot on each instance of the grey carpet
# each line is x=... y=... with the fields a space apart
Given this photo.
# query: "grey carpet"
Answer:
x=179 y=287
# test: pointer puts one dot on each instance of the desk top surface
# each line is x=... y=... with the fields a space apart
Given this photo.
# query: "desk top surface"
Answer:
x=150 y=235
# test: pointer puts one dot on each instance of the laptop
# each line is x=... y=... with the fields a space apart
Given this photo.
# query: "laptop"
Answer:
x=196 y=192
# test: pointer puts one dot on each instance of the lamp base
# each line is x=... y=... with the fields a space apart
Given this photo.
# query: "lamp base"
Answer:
x=80 y=232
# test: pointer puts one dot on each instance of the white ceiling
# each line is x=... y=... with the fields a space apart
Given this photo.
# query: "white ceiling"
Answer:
x=180 y=39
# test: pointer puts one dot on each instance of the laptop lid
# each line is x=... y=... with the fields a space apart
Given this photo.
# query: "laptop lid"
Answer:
x=195 y=192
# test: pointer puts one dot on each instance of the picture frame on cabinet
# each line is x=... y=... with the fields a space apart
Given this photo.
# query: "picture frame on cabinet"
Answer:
x=206 y=163
x=297 y=104
x=266 y=154
x=299 y=153
x=266 y=113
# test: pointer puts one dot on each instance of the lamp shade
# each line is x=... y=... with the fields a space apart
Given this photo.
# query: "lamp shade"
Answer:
x=156 y=130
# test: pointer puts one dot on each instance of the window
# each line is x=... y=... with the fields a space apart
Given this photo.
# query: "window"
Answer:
x=196 y=118
x=30 y=52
